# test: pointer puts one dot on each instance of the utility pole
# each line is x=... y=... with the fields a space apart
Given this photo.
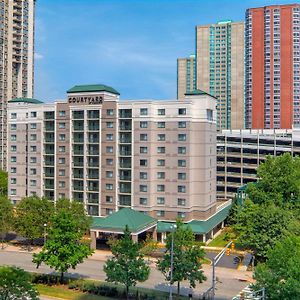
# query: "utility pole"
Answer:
x=173 y=228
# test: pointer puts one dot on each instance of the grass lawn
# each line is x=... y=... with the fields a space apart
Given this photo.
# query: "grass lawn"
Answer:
x=65 y=293
x=222 y=239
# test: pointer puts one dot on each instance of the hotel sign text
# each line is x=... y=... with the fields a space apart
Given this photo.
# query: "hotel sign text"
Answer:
x=86 y=99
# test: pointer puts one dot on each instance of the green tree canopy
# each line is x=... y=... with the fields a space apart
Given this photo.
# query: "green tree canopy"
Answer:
x=63 y=248
x=187 y=257
x=259 y=227
x=280 y=274
x=3 y=183
x=127 y=266
x=279 y=181
x=15 y=284
x=31 y=215
x=6 y=216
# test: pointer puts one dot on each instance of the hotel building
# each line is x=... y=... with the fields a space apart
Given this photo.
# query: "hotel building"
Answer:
x=272 y=67
x=16 y=59
x=156 y=157
x=219 y=70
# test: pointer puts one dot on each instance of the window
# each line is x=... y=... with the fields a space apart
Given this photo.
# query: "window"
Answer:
x=160 y=162
x=13 y=126
x=160 y=213
x=181 y=202
x=61 y=137
x=13 y=180
x=33 y=126
x=109 y=174
x=160 y=200
x=13 y=159
x=109 y=137
x=33 y=160
x=61 y=195
x=182 y=176
x=181 y=163
x=32 y=182
x=61 y=125
x=61 y=149
x=13 y=148
x=32 y=148
x=109 y=125
x=181 y=189
x=109 y=161
x=108 y=211
x=61 y=184
x=209 y=114
x=143 y=201
x=143 y=162
x=33 y=137
x=61 y=172
x=109 y=112
x=143 y=137
x=13 y=115
x=181 y=215
x=181 y=150
x=161 y=124
x=182 y=111
x=144 y=111
x=109 y=199
x=160 y=175
x=109 y=186
x=62 y=113
x=13 y=137
x=182 y=124
x=160 y=188
x=161 y=111
x=143 y=124
x=161 y=137
x=33 y=114
x=13 y=192
x=161 y=149
x=32 y=171
x=143 y=175
x=109 y=149
x=61 y=160
x=13 y=170
x=181 y=137
x=143 y=188
x=143 y=149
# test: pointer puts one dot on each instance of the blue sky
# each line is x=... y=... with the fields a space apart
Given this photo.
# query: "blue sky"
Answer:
x=131 y=45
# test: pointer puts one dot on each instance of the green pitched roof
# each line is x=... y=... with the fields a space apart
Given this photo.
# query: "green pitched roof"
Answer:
x=25 y=100
x=198 y=92
x=199 y=227
x=92 y=88
x=117 y=221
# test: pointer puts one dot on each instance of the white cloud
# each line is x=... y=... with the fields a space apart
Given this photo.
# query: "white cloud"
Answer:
x=38 y=56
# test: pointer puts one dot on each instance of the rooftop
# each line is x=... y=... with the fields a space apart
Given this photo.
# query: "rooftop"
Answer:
x=25 y=100
x=92 y=88
x=198 y=92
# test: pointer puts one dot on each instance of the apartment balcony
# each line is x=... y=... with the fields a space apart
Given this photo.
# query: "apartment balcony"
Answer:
x=49 y=151
x=93 y=187
x=125 y=125
x=78 y=128
x=78 y=115
x=78 y=150
x=77 y=185
x=125 y=189
x=49 y=161
x=49 y=127
x=125 y=153
x=125 y=165
x=49 y=173
x=93 y=174
x=93 y=115
x=49 y=115
x=49 y=186
x=93 y=152
x=77 y=162
x=125 y=140
x=93 y=198
x=125 y=113
x=124 y=200
x=77 y=173
x=93 y=140
x=78 y=196
x=93 y=164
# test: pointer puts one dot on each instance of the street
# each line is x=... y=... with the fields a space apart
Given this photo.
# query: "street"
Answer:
x=228 y=279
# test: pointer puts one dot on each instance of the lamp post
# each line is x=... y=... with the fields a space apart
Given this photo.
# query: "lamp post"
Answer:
x=173 y=228
x=45 y=227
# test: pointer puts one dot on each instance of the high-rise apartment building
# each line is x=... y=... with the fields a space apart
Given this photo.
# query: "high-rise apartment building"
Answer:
x=158 y=157
x=16 y=58
x=186 y=75
x=218 y=70
x=272 y=67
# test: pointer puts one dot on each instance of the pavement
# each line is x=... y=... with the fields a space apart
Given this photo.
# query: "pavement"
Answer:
x=229 y=281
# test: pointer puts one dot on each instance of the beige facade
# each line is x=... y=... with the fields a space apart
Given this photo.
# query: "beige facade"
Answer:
x=16 y=59
x=157 y=157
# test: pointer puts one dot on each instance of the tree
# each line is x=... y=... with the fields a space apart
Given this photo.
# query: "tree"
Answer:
x=259 y=227
x=15 y=284
x=77 y=208
x=187 y=256
x=3 y=183
x=63 y=248
x=6 y=217
x=31 y=215
x=279 y=181
x=149 y=245
x=280 y=274
x=127 y=266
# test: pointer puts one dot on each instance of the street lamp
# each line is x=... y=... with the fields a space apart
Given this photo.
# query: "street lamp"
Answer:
x=172 y=228
x=45 y=227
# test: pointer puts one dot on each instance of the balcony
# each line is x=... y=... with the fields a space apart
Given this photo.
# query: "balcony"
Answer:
x=77 y=185
x=93 y=126
x=78 y=150
x=125 y=113
x=93 y=175
x=124 y=164
x=125 y=153
x=49 y=115
x=49 y=185
x=125 y=139
x=49 y=172
x=125 y=125
x=78 y=162
x=93 y=114
x=93 y=140
x=124 y=200
x=49 y=126
x=124 y=188
x=49 y=161
x=49 y=138
x=49 y=150
x=77 y=173
x=78 y=115
x=93 y=198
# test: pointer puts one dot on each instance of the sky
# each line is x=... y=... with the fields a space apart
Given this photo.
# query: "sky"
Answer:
x=131 y=45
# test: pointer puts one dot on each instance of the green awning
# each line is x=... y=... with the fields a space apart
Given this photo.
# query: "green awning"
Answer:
x=199 y=227
x=117 y=221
